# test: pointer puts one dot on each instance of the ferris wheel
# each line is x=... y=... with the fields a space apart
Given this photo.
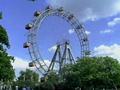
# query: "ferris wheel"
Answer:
x=33 y=45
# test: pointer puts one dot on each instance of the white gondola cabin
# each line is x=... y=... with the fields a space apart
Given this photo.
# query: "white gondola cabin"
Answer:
x=37 y=13
x=28 y=26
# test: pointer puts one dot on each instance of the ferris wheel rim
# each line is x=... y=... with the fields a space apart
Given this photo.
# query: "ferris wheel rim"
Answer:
x=34 y=49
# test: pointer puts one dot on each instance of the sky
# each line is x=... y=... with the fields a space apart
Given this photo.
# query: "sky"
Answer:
x=101 y=19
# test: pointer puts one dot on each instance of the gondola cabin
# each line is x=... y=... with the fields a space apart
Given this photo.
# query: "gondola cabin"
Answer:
x=60 y=9
x=79 y=27
x=85 y=39
x=26 y=45
x=28 y=26
x=37 y=13
x=87 y=52
x=31 y=64
x=70 y=17
x=48 y=8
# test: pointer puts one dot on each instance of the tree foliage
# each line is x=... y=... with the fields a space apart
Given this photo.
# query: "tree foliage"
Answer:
x=28 y=78
x=96 y=72
x=47 y=86
x=6 y=69
x=3 y=38
x=87 y=73
x=0 y=15
x=49 y=82
x=53 y=78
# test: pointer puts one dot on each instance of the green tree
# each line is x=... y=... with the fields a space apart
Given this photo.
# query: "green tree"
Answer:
x=47 y=86
x=3 y=39
x=6 y=69
x=49 y=82
x=0 y=15
x=95 y=72
x=53 y=78
x=28 y=78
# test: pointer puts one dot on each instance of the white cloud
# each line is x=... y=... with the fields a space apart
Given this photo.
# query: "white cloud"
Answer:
x=71 y=31
x=87 y=32
x=53 y=48
x=104 y=50
x=23 y=64
x=114 y=22
x=89 y=9
x=20 y=63
x=47 y=62
x=106 y=31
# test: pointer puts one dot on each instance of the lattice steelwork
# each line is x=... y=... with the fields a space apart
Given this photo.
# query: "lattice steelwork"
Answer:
x=63 y=56
x=34 y=26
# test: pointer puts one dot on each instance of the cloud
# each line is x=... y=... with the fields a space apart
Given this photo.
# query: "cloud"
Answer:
x=106 y=31
x=23 y=64
x=71 y=31
x=20 y=63
x=88 y=9
x=114 y=22
x=88 y=32
x=53 y=48
x=47 y=62
x=104 y=50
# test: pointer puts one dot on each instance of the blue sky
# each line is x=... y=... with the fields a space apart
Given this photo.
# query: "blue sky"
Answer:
x=101 y=21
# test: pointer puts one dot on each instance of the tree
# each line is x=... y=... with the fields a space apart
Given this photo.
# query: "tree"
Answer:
x=53 y=78
x=47 y=86
x=49 y=82
x=95 y=72
x=6 y=69
x=0 y=15
x=3 y=39
x=28 y=78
